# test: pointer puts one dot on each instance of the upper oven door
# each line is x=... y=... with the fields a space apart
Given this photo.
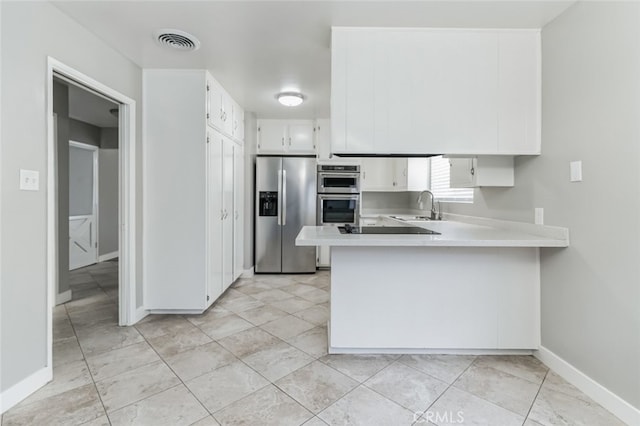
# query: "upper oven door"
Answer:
x=338 y=209
x=338 y=183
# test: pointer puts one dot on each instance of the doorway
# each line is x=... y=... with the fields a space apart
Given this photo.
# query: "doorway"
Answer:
x=125 y=193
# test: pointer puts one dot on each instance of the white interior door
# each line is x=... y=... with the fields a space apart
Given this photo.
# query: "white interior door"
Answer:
x=83 y=199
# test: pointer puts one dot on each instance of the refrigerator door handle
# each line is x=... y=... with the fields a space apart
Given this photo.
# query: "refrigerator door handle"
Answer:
x=280 y=197
x=284 y=197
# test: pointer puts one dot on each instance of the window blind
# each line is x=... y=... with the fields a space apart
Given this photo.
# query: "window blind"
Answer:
x=440 y=185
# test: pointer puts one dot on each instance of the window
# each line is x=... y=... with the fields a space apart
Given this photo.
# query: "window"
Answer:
x=440 y=170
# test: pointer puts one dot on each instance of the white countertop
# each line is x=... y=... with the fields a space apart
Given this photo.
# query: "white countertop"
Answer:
x=453 y=233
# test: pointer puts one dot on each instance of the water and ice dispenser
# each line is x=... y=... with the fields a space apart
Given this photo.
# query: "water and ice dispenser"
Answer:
x=268 y=203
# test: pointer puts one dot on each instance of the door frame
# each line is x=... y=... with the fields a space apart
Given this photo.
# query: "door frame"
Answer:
x=96 y=194
x=127 y=197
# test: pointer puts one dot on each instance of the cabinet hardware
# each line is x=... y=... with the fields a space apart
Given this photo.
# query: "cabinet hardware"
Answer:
x=207 y=297
x=289 y=141
x=473 y=171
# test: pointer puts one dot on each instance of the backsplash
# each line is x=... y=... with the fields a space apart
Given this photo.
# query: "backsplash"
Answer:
x=389 y=200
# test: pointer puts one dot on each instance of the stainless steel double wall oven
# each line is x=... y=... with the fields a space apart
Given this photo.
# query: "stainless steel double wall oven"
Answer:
x=338 y=194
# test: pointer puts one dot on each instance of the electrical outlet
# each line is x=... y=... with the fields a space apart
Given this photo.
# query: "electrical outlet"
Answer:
x=576 y=171
x=539 y=216
x=29 y=180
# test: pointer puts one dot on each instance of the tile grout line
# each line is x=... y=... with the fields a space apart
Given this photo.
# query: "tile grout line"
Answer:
x=84 y=359
x=171 y=369
x=533 y=402
x=445 y=391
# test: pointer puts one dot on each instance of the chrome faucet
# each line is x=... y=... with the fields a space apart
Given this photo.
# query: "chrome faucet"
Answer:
x=433 y=215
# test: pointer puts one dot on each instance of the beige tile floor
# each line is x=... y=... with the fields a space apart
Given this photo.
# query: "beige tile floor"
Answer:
x=258 y=356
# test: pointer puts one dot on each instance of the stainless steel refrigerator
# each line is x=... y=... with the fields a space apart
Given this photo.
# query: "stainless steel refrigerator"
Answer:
x=285 y=202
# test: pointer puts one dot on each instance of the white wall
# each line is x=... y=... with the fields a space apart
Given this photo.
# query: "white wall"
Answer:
x=591 y=112
x=23 y=323
x=108 y=204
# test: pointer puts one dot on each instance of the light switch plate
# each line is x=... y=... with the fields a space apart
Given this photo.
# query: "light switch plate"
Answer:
x=29 y=180
x=539 y=216
x=576 y=171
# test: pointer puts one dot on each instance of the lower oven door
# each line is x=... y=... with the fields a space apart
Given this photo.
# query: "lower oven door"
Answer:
x=338 y=209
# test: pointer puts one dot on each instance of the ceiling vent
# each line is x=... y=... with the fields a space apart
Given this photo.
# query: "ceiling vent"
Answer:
x=176 y=39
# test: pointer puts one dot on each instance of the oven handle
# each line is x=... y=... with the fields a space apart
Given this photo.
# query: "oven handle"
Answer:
x=338 y=197
x=338 y=175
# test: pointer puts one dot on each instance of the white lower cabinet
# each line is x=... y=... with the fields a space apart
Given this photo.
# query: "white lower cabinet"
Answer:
x=324 y=257
x=190 y=182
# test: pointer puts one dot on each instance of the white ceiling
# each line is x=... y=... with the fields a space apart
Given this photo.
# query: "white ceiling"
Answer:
x=259 y=48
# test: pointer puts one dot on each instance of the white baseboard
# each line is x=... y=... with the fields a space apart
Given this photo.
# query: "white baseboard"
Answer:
x=108 y=256
x=140 y=314
x=248 y=273
x=603 y=396
x=24 y=388
x=63 y=297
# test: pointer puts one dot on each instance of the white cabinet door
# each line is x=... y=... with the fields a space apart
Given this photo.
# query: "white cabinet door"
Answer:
x=227 y=113
x=238 y=122
x=419 y=174
x=400 y=174
x=300 y=137
x=462 y=174
x=238 y=211
x=271 y=136
x=378 y=174
x=519 y=93
x=214 y=216
x=492 y=170
x=455 y=92
x=215 y=93
x=323 y=139
x=324 y=256
x=286 y=136
x=227 y=212
x=360 y=93
x=433 y=91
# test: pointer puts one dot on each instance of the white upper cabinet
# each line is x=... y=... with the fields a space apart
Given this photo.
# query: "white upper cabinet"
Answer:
x=384 y=174
x=223 y=112
x=433 y=91
x=492 y=170
x=286 y=137
x=237 y=130
x=394 y=174
x=519 y=93
x=323 y=138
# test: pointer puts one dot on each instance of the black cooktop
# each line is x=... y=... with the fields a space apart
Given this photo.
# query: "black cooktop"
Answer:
x=385 y=230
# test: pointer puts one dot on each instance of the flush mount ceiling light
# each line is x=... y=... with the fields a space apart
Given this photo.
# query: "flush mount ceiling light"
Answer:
x=176 y=39
x=290 y=99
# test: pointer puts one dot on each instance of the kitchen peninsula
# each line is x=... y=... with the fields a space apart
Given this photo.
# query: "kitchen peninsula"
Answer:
x=474 y=288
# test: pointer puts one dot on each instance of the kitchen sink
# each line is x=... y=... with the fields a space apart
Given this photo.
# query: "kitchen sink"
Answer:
x=411 y=218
